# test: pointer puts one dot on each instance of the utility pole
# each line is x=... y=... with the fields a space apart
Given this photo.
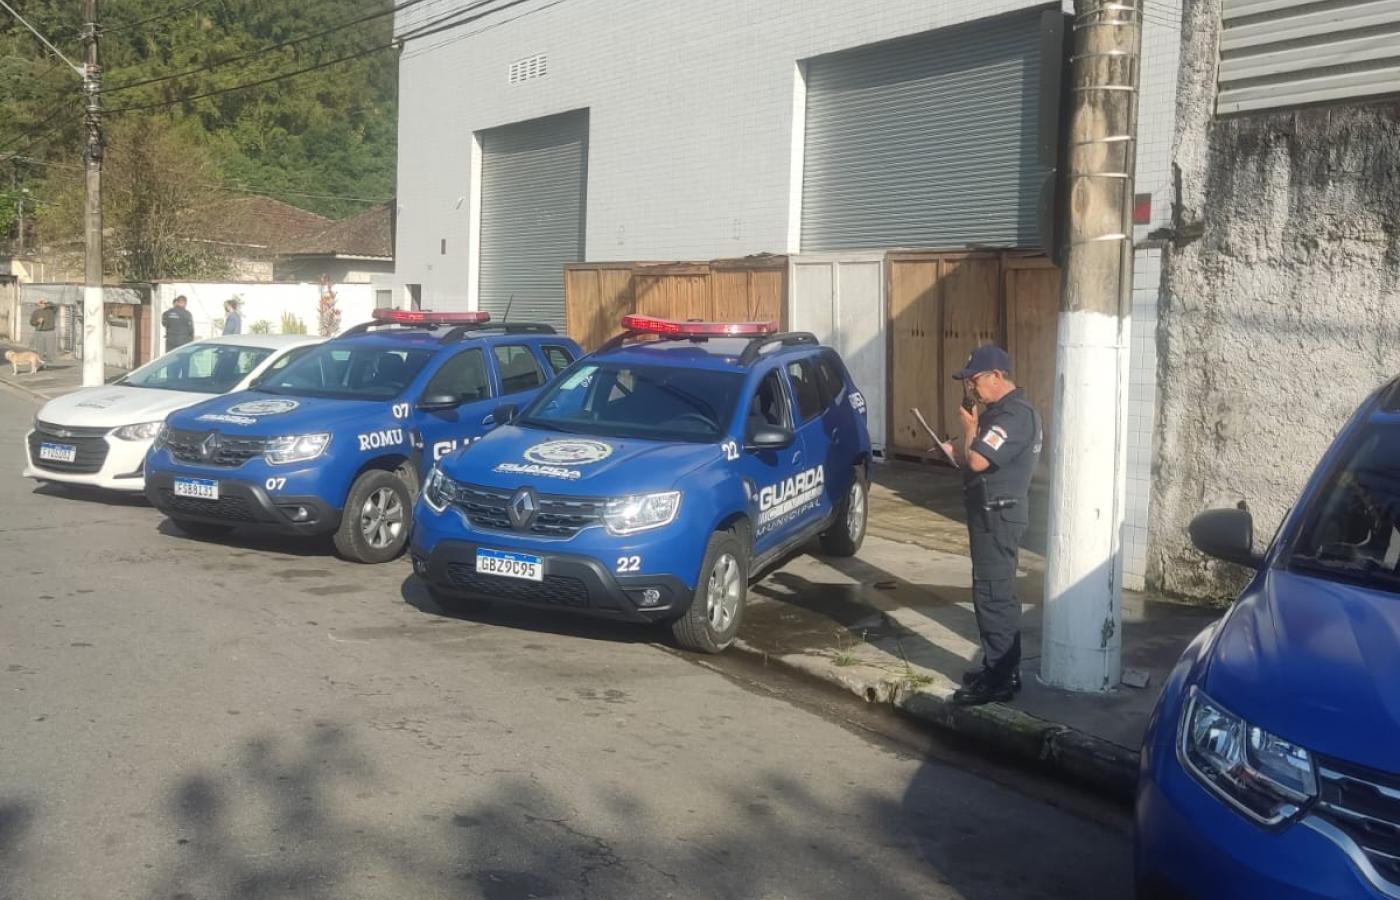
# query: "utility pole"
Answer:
x=1081 y=646
x=94 y=315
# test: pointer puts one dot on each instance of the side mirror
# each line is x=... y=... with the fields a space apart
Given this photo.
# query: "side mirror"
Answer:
x=505 y=413
x=432 y=402
x=1226 y=534
x=769 y=437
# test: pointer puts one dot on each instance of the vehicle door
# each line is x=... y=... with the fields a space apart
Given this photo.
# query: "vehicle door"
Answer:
x=839 y=417
x=817 y=479
x=770 y=475
x=453 y=409
x=520 y=373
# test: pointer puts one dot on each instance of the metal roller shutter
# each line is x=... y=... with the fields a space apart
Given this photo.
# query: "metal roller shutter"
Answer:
x=533 y=184
x=937 y=140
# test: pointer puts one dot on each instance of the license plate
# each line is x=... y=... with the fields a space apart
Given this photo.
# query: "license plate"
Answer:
x=58 y=452
x=198 y=488
x=511 y=565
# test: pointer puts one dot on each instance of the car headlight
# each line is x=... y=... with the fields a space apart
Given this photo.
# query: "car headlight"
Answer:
x=438 y=490
x=162 y=433
x=626 y=515
x=1262 y=775
x=296 y=448
x=143 y=432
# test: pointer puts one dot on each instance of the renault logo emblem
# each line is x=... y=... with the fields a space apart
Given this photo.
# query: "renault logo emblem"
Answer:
x=522 y=509
x=209 y=446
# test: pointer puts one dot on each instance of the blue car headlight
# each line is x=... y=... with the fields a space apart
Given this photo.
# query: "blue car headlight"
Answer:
x=628 y=515
x=295 y=448
x=1262 y=775
x=438 y=490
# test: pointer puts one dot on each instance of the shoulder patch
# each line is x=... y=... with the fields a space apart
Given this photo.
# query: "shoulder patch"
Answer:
x=994 y=437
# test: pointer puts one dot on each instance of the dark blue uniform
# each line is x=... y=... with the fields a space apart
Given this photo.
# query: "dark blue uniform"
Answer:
x=998 y=511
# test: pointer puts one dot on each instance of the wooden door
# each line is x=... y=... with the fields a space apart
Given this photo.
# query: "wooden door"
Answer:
x=915 y=311
x=971 y=288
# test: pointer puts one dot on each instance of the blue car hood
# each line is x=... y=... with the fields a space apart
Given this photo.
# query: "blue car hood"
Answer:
x=1316 y=662
x=267 y=415
x=552 y=461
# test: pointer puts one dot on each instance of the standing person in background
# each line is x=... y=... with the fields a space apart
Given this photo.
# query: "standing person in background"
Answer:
x=179 y=324
x=43 y=320
x=233 y=321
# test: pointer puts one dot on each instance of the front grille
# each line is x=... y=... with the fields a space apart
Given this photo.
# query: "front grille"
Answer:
x=233 y=509
x=1365 y=805
x=228 y=451
x=558 y=516
x=555 y=590
x=89 y=455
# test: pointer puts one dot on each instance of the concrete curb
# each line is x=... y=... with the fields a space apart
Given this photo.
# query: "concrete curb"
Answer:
x=1034 y=742
x=27 y=391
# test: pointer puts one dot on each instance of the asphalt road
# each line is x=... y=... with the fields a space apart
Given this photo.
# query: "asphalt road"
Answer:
x=256 y=719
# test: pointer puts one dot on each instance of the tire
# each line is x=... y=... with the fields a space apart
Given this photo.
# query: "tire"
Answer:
x=374 y=526
x=711 y=622
x=201 y=529
x=847 y=533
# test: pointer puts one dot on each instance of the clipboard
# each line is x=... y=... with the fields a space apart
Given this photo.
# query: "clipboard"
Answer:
x=937 y=443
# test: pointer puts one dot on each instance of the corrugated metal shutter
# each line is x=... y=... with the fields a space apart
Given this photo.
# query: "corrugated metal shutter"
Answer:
x=931 y=141
x=533 y=184
x=1276 y=53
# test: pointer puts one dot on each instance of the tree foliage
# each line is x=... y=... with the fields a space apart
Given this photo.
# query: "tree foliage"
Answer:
x=328 y=132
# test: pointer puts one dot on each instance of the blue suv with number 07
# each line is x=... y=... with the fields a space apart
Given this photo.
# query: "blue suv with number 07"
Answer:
x=653 y=479
x=338 y=440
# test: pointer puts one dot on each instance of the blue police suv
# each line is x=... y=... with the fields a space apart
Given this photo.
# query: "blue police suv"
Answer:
x=652 y=479
x=1271 y=766
x=337 y=439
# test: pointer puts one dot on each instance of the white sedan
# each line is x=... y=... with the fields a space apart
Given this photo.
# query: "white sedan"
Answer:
x=99 y=436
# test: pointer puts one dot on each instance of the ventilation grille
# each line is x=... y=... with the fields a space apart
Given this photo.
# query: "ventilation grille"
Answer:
x=530 y=67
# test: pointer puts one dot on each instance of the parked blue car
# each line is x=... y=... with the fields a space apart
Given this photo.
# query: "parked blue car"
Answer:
x=337 y=440
x=653 y=479
x=1271 y=766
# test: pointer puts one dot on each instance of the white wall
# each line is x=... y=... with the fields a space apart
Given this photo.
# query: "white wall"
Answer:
x=261 y=301
x=691 y=113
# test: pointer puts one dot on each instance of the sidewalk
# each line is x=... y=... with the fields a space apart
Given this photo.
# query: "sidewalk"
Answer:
x=895 y=625
x=62 y=376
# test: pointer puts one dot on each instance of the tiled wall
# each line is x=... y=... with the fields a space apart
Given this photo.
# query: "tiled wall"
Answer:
x=1161 y=48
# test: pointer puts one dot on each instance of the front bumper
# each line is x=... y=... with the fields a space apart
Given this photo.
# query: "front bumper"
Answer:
x=244 y=503
x=1189 y=844
x=102 y=462
x=571 y=582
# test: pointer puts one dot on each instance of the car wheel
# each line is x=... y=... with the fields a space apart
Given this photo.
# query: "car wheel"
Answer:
x=711 y=622
x=846 y=534
x=374 y=526
x=201 y=529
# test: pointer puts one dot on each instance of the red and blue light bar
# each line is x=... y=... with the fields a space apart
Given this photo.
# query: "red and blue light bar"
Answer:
x=427 y=317
x=672 y=328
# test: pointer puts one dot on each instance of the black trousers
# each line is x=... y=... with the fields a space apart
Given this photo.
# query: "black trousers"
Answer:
x=995 y=544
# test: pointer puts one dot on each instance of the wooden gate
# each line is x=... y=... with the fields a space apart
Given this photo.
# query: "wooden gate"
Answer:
x=944 y=305
x=598 y=295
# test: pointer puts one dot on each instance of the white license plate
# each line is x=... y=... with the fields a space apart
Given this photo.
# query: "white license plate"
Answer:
x=511 y=565
x=198 y=488
x=58 y=452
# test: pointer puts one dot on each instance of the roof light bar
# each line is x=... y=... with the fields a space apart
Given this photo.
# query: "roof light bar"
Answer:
x=672 y=328
x=426 y=317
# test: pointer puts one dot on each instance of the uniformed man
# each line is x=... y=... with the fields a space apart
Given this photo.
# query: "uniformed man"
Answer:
x=999 y=450
x=179 y=324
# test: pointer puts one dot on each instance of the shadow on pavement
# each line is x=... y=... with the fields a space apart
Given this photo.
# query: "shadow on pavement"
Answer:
x=242 y=539
x=307 y=817
x=78 y=493
x=16 y=816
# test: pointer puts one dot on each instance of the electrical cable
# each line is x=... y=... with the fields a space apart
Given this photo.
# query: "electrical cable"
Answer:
x=157 y=17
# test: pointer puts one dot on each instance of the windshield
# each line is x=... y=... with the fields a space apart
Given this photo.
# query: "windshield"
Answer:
x=359 y=373
x=1352 y=532
x=199 y=368
x=663 y=403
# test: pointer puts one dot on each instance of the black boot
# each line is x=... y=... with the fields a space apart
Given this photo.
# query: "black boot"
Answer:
x=972 y=675
x=985 y=689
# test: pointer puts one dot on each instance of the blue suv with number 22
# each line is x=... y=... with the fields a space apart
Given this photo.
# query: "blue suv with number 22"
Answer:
x=653 y=479
x=338 y=440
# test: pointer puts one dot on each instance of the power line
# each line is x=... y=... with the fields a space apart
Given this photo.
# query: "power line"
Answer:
x=157 y=17
x=128 y=85
x=43 y=40
x=47 y=119
x=462 y=37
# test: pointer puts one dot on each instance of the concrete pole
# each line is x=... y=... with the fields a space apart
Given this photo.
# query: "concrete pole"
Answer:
x=1082 y=638
x=94 y=316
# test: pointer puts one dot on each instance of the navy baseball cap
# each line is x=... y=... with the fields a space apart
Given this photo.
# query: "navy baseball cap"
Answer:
x=987 y=358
